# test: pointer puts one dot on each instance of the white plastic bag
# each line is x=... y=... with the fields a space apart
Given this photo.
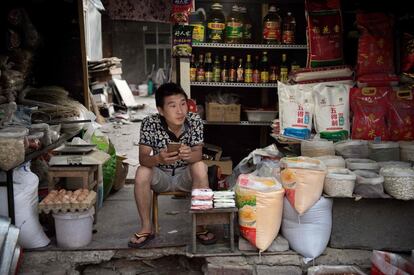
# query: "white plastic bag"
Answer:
x=309 y=233
x=25 y=185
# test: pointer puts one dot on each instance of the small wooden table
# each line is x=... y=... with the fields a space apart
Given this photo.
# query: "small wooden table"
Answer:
x=88 y=174
x=213 y=216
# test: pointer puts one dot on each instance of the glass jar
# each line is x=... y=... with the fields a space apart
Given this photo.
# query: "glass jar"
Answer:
x=12 y=147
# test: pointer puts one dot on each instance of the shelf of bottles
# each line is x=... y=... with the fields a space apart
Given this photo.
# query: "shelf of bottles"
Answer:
x=250 y=46
x=234 y=84
x=243 y=123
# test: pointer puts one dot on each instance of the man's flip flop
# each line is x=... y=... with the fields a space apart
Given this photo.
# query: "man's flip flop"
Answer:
x=204 y=241
x=148 y=237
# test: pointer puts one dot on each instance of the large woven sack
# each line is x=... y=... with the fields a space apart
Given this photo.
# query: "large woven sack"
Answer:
x=260 y=203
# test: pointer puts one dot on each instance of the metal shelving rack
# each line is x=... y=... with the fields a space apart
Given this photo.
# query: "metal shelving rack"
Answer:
x=234 y=84
x=250 y=46
x=238 y=123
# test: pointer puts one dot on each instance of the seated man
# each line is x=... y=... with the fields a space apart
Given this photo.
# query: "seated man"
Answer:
x=164 y=171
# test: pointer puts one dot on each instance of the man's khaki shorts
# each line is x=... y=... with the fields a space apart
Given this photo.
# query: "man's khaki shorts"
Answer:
x=164 y=181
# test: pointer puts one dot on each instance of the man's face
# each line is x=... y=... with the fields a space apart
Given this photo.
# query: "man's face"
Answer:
x=174 y=110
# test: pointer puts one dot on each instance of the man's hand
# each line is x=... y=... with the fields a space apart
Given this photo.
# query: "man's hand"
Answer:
x=168 y=158
x=184 y=152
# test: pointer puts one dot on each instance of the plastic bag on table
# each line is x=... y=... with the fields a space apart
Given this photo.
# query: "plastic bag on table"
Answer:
x=387 y=263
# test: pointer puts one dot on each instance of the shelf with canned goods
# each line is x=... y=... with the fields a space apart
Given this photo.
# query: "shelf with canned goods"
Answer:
x=250 y=46
x=234 y=84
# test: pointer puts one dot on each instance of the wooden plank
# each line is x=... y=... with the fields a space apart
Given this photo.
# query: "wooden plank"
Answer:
x=216 y=210
x=212 y=218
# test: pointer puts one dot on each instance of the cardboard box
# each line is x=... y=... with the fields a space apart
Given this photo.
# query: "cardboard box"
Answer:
x=222 y=112
x=225 y=165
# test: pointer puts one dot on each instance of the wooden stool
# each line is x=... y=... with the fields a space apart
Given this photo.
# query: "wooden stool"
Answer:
x=89 y=175
x=155 y=206
x=213 y=216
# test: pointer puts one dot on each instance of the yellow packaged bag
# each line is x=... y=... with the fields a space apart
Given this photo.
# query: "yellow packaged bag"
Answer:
x=260 y=203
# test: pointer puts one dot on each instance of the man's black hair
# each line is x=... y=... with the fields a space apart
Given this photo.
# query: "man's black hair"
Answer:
x=168 y=89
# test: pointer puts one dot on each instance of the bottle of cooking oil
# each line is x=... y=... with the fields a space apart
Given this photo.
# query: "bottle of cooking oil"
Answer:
x=216 y=24
x=272 y=27
x=234 y=26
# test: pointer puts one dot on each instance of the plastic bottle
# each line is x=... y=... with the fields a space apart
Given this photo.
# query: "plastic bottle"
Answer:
x=289 y=29
x=197 y=20
x=247 y=25
x=234 y=27
x=216 y=24
x=272 y=27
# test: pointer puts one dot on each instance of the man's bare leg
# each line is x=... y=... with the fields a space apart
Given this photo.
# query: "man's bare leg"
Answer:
x=199 y=175
x=142 y=192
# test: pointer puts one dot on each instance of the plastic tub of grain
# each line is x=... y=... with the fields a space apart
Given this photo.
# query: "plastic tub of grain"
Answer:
x=384 y=151
x=400 y=164
x=317 y=148
x=352 y=148
x=399 y=182
x=332 y=161
x=369 y=184
x=12 y=147
x=339 y=183
x=361 y=164
x=407 y=150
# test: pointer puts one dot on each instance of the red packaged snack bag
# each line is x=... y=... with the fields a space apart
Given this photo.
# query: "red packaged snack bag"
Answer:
x=369 y=106
x=401 y=115
x=375 y=45
x=181 y=11
x=407 y=63
x=324 y=33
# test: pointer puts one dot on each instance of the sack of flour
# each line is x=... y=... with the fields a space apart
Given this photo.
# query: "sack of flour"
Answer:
x=295 y=110
x=332 y=111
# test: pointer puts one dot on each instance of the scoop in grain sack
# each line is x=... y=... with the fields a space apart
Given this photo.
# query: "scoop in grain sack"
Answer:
x=303 y=179
x=295 y=110
x=260 y=203
x=332 y=111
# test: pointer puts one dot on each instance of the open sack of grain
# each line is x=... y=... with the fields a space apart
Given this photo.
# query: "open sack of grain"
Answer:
x=303 y=179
